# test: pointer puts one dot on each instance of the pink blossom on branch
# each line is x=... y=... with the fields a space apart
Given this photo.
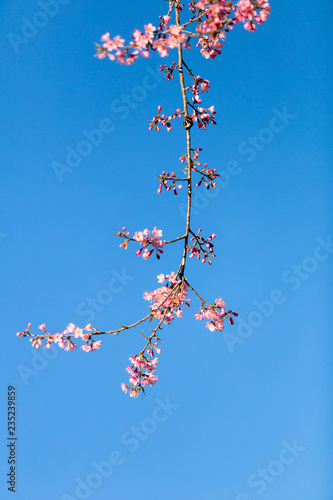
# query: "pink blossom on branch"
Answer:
x=211 y=21
x=141 y=373
x=216 y=314
x=249 y=13
x=203 y=116
x=164 y=120
x=208 y=175
x=165 y=178
x=169 y=70
x=63 y=339
x=199 y=85
x=167 y=300
x=143 y=237
x=201 y=248
x=208 y=25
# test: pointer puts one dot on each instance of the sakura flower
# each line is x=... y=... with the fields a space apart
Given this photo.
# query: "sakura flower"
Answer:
x=175 y=30
x=219 y=303
x=152 y=379
x=62 y=343
x=78 y=332
x=57 y=337
x=96 y=344
x=211 y=327
x=146 y=254
x=172 y=278
x=70 y=346
x=134 y=393
x=86 y=347
x=91 y=345
x=124 y=387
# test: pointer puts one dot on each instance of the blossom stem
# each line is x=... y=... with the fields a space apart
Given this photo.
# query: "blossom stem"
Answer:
x=176 y=239
x=196 y=293
x=153 y=334
x=188 y=69
x=187 y=125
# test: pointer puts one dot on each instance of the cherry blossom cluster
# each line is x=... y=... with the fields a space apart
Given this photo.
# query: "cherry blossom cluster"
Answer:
x=213 y=19
x=249 y=13
x=216 y=314
x=203 y=116
x=164 y=120
x=210 y=48
x=201 y=246
x=141 y=372
x=165 y=178
x=145 y=240
x=217 y=17
x=167 y=300
x=109 y=46
x=211 y=30
x=160 y=39
x=199 y=85
x=165 y=43
x=64 y=339
x=169 y=70
x=208 y=175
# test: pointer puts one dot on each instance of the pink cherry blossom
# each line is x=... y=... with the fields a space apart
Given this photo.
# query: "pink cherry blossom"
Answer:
x=142 y=373
x=167 y=300
x=124 y=387
x=219 y=18
x=70 y=346
x=161 y=278
x=86 y=347
x=145 y=240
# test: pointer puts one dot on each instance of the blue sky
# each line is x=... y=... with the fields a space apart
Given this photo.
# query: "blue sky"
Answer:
x=236 y=415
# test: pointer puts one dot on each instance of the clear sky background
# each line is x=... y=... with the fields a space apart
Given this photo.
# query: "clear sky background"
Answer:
x=227 y=405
